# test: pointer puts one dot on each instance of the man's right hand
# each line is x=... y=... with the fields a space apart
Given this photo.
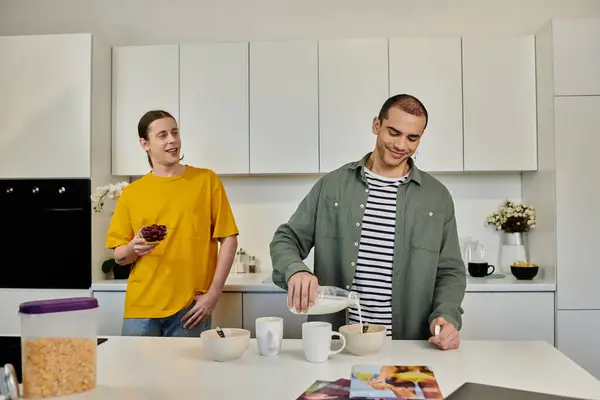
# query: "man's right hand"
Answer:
x=302 y=291
x=139 y=247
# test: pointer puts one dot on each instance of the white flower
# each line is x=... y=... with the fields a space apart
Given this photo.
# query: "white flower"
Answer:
x=110 y=191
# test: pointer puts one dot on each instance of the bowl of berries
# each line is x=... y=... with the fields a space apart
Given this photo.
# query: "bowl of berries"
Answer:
x=153 y=233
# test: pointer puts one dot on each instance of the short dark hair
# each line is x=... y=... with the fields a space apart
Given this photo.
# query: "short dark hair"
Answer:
x=144 y=123
x=407 y=103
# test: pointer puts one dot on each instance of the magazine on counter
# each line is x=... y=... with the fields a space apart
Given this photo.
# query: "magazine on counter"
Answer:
x=394 y=382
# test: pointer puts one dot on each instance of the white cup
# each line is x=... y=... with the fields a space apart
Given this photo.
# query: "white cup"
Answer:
x=316 y=341
x=269 y=335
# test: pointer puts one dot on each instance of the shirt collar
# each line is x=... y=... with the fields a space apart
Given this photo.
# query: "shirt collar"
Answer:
x=414 y=174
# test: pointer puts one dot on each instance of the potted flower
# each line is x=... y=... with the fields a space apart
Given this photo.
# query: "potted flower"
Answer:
x=102 y=196
x=514 y=220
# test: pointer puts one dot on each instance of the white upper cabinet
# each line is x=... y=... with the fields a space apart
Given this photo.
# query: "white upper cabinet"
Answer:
x=430 y=69
x=499 y=97
x=45 y=86
x=214 y=106
x=353 y=85
x=284 y=112
x=576 y=48
x=144 y=78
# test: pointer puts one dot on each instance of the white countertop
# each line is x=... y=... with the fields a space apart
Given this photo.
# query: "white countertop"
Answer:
x=175 y=368
x=261 y=282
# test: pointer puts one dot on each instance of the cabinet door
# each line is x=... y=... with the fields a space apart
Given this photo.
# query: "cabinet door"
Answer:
x=576 y=333
x=111 y=311
x=214 y=106
x=353 y=85
x=430 y=69
x=258 y=305
x=499 y=97
x=284 y=109
x=576 y=51
x=144 y=78
x=492 y=316
x=228 y=312
x=577 y=198
x=45 y=81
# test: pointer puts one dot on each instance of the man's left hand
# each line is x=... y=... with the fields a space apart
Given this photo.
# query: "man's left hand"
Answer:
x=205 y=304
x=448 y=339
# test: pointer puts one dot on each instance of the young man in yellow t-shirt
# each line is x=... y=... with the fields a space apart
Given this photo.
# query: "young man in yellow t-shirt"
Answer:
x=176 y=283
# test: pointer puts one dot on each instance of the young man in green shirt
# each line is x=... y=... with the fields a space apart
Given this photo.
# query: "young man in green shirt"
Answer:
x=385 y=229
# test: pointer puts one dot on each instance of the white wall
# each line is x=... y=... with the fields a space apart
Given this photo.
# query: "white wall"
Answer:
x=261 y=204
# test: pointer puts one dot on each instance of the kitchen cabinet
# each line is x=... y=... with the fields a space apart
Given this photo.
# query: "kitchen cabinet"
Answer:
x=110 y=313
x=144 y=78
x=10 y=299
x=499 y=104
x=576 y=336
x=228 y=312
x=284 y=112
x=45 y=107
x=576 y=54
x=430 y=69
x=214 y=106
x=508 y=316
x=258 y=305
x=576 y=121
x=353 y=85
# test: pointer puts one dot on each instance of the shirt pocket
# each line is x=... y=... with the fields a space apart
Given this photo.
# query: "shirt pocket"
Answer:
x=198 y=226
x=429 y=229
x=335 y=218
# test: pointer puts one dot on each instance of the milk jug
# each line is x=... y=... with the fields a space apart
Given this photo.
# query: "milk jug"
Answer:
x=331 y=299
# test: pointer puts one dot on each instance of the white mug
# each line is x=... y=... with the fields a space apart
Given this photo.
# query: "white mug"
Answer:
x=269 y=335
x=316 y=341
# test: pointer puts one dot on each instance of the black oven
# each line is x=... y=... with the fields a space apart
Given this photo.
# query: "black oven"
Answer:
x=46 y=233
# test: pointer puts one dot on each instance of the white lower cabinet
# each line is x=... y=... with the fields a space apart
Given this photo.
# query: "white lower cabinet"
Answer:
x=576 y=335
x=10 y=299
x=488 y=315
x=508 y=316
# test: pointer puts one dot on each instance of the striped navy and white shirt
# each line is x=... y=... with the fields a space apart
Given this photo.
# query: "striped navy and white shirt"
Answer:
x=373 y=276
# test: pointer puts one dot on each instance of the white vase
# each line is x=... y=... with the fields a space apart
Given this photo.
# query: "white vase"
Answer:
x=512 y=250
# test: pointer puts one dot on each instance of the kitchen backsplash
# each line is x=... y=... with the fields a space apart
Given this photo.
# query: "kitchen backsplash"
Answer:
x=261 y=204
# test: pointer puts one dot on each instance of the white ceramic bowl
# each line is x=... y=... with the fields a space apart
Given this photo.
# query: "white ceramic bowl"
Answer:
x=362 y=344
x=231 y=347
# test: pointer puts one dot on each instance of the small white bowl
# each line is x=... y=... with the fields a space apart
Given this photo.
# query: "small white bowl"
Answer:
x=362 y=344
x=231 y=347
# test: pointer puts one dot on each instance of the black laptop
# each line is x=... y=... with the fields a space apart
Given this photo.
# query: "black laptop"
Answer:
x=478 y=391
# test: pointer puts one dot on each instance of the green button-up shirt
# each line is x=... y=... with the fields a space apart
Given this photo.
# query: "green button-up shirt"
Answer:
x=429 y=277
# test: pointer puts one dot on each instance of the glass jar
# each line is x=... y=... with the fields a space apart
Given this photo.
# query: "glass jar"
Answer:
x=58 y=346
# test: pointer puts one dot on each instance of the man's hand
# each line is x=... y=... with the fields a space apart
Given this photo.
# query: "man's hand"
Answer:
x=302 y=291
x=205 y=304
x=448 y=339
x=138 y=245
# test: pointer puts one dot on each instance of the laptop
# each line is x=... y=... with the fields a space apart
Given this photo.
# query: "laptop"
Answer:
x=478 y=391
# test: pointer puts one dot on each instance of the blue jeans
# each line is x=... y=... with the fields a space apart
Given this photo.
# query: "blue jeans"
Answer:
x=168 y=326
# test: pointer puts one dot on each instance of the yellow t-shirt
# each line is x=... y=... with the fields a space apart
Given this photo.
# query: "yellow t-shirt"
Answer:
x=196 y=211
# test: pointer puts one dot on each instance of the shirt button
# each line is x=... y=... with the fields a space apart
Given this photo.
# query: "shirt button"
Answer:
x=362 y=206
x=353 y=263
x=430 y=213
x=335 y=204
x=355 y=243
x=347 y=286
x=357 y=224
x=366 y=190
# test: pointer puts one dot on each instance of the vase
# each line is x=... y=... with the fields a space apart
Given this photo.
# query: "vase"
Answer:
x=512 y=250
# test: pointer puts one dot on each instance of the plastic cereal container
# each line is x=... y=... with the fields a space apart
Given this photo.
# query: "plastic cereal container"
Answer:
x=58 y=346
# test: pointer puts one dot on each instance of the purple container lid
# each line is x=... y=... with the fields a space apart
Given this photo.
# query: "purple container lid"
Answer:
x=58 y=305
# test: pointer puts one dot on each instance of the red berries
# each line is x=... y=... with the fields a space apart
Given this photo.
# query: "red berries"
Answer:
x=154 y=233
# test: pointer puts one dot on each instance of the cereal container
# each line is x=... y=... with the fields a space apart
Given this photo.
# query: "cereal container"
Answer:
x=58 y=346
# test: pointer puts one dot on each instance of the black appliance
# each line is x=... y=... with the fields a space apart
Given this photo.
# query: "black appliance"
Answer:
x=10 y=353
x=46 y=233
